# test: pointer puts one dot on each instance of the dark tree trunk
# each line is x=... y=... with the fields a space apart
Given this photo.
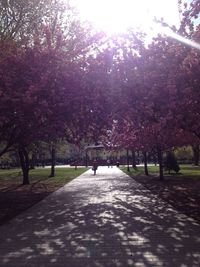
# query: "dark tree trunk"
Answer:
x=196 y=154
x=127 y=158
x=86 y=159
x=133 y=160
x=53 y=160
x=24 y=161
x=155 y=159
x=33 y=161
x=160 y=162
x=145 y=163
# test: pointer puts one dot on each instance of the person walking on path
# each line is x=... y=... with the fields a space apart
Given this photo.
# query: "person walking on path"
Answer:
x=111 y=163
x=108 y=163
x=94 y=166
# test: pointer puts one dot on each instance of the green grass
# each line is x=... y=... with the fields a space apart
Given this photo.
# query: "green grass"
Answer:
x=63 y=175
x=190 y=170
x=185 y=170
x=23 y=197
x=140 y=170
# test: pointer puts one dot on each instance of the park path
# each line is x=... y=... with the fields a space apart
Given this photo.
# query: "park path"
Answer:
x=107 y=220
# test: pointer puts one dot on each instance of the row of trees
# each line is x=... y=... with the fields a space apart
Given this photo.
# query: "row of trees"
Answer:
x=159 y=90
x=65 y=81
x=162 y=111
x=43 y=46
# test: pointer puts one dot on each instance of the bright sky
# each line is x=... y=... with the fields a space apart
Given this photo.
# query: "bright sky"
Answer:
x=114 y=16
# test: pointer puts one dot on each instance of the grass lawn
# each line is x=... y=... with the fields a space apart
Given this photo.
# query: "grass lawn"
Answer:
x=181 y=190
x=15 y=197
x=185 y=170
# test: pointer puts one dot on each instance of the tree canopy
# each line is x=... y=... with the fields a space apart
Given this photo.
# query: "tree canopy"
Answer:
x=61 y=79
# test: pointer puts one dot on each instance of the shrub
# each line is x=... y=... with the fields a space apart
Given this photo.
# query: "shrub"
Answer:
x=171 y=163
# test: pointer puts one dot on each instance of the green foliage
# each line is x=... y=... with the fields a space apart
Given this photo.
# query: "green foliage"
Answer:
x=5 y=160
x=184 y=154
x=171 y=163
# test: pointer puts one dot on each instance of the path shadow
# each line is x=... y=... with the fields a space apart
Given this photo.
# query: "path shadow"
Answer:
x=106 y=223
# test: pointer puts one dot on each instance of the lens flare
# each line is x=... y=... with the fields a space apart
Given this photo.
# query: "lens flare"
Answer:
x=182 y=39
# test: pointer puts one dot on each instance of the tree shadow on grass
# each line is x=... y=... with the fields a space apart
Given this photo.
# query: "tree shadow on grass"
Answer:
x=13 y=202
x=183 y=193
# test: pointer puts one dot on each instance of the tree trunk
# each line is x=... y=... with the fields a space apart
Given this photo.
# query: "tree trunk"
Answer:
x=33 y=161
x=24 y=161
x=196 y=154
x=145 y=163
x=127 y=158
x=133 y=160
x=160 y=162
x=86 y=159
x=154 y=158
x=53 y=160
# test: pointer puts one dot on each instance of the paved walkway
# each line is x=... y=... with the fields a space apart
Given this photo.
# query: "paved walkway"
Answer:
x=101 y=221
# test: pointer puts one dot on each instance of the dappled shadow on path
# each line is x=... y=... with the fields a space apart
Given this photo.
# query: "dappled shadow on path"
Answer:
x=183 y=193
x=101 y=221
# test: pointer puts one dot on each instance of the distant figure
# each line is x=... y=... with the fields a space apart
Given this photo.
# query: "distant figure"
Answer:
x=108 y=163
x=94 y=166
x=111 y=163
x=117 y=164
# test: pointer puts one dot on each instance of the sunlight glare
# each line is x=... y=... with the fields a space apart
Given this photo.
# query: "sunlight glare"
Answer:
x=181 y=39
x=114 y=16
